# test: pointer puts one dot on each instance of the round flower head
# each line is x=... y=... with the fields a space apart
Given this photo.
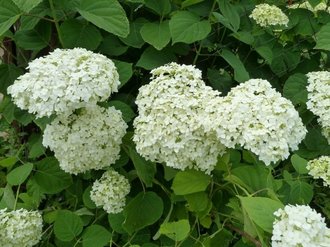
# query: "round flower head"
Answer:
x=169 y=126
x=63 y=81
x=320 y=168
x=20 y=228
x=253 y=115
x=267 y=15
x=306 y=5
x=87 y=140
x=299 y=226
x=110 y=191
x=319 y=98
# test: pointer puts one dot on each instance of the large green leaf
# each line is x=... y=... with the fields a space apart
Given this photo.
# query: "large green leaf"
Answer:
x=34 y=39
x=296 y=192
x=19 y=174
x=240 y=73
x=27 y=5
x=187 y=27
x=151 y=58
x=67 y=225
x=8 y=74
x=177 y=230
x=125 y=71
x=161 y=7
x=156 y=34
x=126 y=110
x=112 y=46
x=190 y=181
x=323 y=37
x=134 y=38
x=95 y=236
x=230 y=14
x=9 y=14
x=299 y=164
x=295 y=89
x=77 y=33
x=143 y=210
x=106 y=14
x=261 y=211
x=50 y=177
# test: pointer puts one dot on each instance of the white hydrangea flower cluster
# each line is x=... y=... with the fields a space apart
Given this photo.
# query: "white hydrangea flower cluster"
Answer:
x=267 y=15
x=87 y=140
x=169 y=127
x=319 y=98
x=65 y=80
x=320 y=168
x=253 y=115
x=110 y=191
x=20 y=228
x=322 y=6
x=299 y=225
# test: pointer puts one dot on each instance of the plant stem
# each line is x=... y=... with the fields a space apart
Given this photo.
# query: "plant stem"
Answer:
x=57 y=26
x=16 y=198
x=244 y=234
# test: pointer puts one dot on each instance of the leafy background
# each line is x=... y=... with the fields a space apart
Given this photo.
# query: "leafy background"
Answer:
x=166 y=207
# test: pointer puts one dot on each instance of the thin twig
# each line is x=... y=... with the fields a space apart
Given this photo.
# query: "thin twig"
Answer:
x=244 y=234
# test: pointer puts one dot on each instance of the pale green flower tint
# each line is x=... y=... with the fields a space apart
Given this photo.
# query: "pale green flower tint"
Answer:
x=20 y=228
x=110 y=191
x=319 y=98
x=299 y=226
x=87 y=140
x=266 y=15
x=320 y=169
x=322 y=6
x=170 y=127
x=63 y=81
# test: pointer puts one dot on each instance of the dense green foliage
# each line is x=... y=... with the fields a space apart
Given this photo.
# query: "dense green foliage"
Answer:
x=166 y=207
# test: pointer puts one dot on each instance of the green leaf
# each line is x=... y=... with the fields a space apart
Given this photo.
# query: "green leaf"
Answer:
x=34 y=39
x=145 y=169
x=296 y=192
x=266 y=53
x=156 y=34
x=116 y=222
x=261 y=211
x=8 y=198
x=50 y=177
x=323 y=37
x=30 y=21
x=95 y=236
x=284 y=61
x=187 y=27
x=240 y=73
x=151 y=58
x=9 y=14
x=125 y=71
x=177 y=231
x=188 y=3
x=128 y=113
x=36 y=149
x=112 y=46
x=198 y=201
x=88 y=202
x=7 y=162
x=134 y=38
x=295 y=89
x=299 y=164
x=161 y=7
x=77 y=33
x=67 y=225
x=190 y=181
x=19 y=174
x=8 y=74
x=27 y=5
x=143 y=210
x=230 y=13
x=106 y=14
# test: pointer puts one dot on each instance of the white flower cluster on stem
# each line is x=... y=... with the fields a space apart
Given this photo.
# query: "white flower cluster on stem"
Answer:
x=185 y=124
x=322 y=6
x=63 y=81
x=169 y=127
x=301 y=226
x=254 y=116
x=110 y=191
x=320 y=168
x=89 y=139
x=20 y=228
x=319 y=98
x=266 y=15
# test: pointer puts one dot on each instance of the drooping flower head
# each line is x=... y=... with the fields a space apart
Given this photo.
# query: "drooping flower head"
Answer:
x=299 y=225
x=20 y=228
x=319 y=98
x=320 y=168
x=256 y=117
x=87 y=140
x=65 y=80
x=169 y=127
x=110 y=191
x=266 y=15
